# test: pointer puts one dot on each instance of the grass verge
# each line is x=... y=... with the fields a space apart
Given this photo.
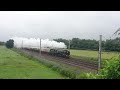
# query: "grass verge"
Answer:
x=15 y=66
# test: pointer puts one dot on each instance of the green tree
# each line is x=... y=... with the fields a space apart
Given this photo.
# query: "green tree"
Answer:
x=75 y=43
x=10 y=43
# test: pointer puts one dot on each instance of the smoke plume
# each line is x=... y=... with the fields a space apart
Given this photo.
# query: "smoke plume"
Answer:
x=21 y=42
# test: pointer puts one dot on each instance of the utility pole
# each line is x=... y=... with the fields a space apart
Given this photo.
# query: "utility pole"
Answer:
x=22 y=44
x=69 y=45
x=99 y=57
x=40 y=47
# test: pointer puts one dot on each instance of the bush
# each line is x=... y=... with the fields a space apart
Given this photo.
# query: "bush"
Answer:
x=111 y=69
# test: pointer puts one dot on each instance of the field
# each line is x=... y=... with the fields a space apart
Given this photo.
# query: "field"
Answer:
x=15 y=66
x=93 y=54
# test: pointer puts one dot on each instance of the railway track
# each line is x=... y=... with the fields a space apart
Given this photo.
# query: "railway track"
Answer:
x=71 y=61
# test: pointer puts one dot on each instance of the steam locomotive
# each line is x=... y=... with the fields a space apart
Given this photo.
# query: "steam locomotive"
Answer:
x=60 y=52
x=53 y=51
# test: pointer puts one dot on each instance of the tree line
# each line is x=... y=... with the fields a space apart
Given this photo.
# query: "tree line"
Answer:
x=2 y=43
x=84 y=44
x=77 y=43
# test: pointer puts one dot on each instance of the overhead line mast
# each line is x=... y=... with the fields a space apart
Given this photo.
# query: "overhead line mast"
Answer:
x=40 y=47
x=100 y=49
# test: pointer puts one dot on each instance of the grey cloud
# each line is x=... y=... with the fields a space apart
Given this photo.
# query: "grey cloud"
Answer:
x=58 y=24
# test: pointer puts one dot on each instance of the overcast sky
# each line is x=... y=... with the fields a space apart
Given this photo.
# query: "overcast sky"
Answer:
x=58 y=24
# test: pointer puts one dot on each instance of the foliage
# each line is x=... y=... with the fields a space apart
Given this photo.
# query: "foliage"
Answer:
x=10 y=43
x=111 y=69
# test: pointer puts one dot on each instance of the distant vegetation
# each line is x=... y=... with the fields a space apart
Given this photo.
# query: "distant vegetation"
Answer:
x=2 y=43
x=77 y=43
x=85 y=44
x=112 y=44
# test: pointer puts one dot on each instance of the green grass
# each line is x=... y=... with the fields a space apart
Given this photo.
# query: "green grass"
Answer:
x=15 y=66
x=93 y=54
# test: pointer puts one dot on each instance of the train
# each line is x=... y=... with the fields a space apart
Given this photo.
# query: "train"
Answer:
x=59 y=52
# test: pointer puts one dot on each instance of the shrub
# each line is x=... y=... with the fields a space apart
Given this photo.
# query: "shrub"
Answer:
x=111 y=69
